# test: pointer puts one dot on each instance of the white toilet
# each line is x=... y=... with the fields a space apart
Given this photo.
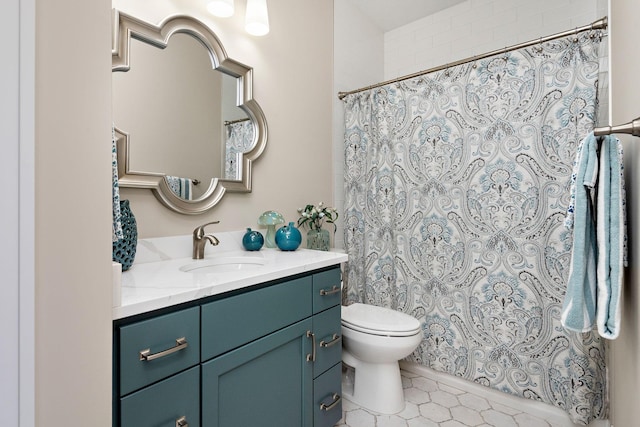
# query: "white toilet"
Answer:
x=374 y=339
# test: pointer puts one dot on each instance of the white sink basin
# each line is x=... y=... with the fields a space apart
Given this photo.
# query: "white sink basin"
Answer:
x=224 y=264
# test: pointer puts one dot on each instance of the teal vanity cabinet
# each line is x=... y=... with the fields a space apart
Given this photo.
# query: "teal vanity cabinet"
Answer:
x=266 y=356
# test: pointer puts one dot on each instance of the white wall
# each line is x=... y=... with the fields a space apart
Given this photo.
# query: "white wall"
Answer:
x=478 y=26
x=292 y=82
x=16 y=220
x=9 y=218
x=73 y=214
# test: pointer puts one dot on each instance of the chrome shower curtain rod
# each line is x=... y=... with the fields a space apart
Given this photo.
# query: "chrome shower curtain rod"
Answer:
x=632 y=128
x=597 y=25
x=231 y=122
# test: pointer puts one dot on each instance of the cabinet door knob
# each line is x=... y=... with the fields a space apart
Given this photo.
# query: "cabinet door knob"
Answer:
x=336 y=398
x=312 y=357
x=182 y=422
x=334 y=290
x=334 y=340
x=181 y=344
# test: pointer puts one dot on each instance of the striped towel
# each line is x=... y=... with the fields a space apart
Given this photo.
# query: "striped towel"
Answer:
x=579 y=307
x=611 y=237
x=182 y=187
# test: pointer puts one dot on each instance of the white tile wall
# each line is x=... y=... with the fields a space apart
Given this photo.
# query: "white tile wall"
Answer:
x=478 y=26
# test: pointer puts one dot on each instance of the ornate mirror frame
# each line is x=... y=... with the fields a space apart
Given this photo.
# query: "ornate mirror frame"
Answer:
x=126 y=27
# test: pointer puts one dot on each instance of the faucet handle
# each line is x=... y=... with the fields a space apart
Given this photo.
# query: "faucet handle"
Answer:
x=199 y=231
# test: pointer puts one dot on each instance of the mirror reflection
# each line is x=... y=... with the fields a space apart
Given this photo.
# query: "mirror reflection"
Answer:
x=239 y=137
x=194 y=132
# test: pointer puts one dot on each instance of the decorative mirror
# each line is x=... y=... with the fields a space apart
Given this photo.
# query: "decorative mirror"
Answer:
x=186 y=124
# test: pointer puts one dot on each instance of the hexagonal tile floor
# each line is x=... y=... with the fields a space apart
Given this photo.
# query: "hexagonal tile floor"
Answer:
x=431 y=403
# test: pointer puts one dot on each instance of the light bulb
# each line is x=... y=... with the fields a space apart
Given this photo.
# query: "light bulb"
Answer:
x=257 y=19
x=221 y=8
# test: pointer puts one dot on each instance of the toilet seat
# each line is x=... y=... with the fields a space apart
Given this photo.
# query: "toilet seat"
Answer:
x=374 y=320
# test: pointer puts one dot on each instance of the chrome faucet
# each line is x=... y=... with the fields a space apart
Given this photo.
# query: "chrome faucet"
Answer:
x=200 y=240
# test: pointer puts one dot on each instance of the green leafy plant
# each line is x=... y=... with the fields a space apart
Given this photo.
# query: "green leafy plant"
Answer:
x=314 y=216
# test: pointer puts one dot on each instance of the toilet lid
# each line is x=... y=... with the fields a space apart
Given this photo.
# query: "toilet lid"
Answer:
x=379 y=320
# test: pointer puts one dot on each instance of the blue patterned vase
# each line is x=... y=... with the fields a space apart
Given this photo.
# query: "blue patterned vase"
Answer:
x=124 y=250
x=288 y=238
x=318 y=239
x=252 y=240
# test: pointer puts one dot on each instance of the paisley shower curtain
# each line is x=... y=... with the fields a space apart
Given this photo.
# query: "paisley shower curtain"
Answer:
x=456 y=186
x=239 y=140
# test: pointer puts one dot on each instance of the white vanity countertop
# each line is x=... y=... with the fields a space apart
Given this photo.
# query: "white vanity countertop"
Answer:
x=155 y=280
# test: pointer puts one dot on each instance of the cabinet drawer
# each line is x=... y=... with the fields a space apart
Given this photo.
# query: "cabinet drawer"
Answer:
x=328 y=330
x=162 y=404
x=165 y=354
x=326 y=289
x=237 y=320
x=327 y=397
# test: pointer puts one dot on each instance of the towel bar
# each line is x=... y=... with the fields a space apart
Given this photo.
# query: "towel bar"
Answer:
x=632 y=128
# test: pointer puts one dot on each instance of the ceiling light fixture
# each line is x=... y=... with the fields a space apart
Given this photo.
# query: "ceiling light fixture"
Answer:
x=257 y=18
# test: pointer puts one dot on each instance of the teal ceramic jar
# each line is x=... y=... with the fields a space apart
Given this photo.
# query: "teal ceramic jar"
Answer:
x=252 y=240
x=288 y=238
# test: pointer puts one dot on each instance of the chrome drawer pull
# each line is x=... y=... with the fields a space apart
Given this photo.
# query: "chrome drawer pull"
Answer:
x=334 y=340
x=182 y=422
x=312 y=357
x=334 y=290
x=336 y=398
x=181 y=344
